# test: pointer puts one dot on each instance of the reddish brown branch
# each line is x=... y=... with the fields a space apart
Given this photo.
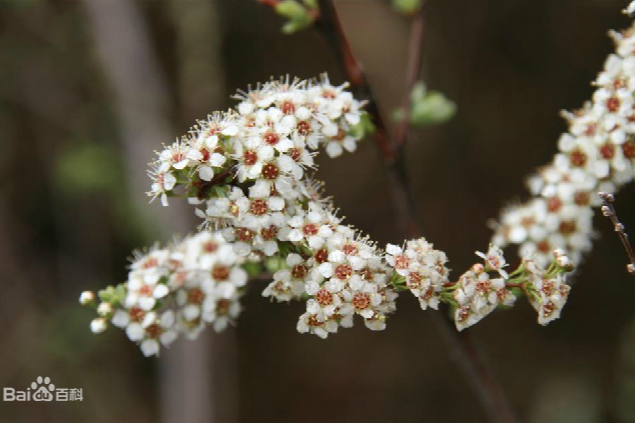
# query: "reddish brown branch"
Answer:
x=462 y=346
x=412 y=74
x=333 y=30
x=608 y=210
x=204 y=187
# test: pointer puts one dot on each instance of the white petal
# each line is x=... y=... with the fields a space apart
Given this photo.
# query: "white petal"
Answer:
x=206 y=173
x=149 y=347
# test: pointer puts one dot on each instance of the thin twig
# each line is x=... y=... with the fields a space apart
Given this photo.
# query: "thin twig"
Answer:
x=412 y=74
x=608 y=210
x=462 y=346
x=333 y=31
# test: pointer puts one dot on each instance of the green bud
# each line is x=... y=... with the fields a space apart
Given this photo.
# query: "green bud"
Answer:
x=407 y=7
x=291 y=9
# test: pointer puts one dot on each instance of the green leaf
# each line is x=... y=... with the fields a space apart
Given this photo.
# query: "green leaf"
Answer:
x=363 y=128
x=296 y=25
x=107 y=295
x=433 y=109
x=311 y=4
x=121 y=293
x=418 y=92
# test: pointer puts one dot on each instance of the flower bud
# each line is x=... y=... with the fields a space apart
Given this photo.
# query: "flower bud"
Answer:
x=104 y=309
x=558 y=252
x=86 y=298
x=565 y=262
x=98 y=325
x=478 y=268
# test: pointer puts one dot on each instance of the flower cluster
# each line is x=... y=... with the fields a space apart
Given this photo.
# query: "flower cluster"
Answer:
x=268 y=141
x=479 y=291
x=596 y=154
x=347 y=277
x=245 y=173
x=180 y=289
x=422 y=268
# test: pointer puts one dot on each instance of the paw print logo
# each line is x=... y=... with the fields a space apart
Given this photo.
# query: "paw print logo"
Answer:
x=45 y=391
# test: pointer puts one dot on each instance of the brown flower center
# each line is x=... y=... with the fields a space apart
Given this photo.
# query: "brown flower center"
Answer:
x=220 y=273
x=271 y=138
x=361 y=301
x=343 y=271
x=250 y=157
x=259 y=207
x=270 y=171
x=303 y=127
x=195 y=296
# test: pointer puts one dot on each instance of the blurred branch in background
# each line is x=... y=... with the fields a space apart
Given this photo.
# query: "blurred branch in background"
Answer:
x=201 y=87
x=141 y=98
x=413 y=71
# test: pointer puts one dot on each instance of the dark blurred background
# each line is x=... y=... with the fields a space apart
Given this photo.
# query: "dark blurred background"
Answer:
x=89 y=88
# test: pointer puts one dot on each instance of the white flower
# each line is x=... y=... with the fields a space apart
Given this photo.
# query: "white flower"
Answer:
x=494 y=259
x=144 y=290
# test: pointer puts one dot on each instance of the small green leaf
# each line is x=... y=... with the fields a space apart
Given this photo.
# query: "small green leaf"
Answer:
x=311 y=4
x=296 y=25
x=426 y=107
x=418 y=92
x=363 y=128
x=433 y=109
x=107 y=295
x=121 y=293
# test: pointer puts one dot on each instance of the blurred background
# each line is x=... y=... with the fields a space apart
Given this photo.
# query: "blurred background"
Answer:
x=90 y=88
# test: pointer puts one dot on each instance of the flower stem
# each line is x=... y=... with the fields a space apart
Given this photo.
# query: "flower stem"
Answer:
x=412 y=74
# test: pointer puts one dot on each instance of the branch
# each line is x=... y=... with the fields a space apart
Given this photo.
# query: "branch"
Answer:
x=331 y=27
x=608 y=210
x=462 y=346
x=412 y=73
